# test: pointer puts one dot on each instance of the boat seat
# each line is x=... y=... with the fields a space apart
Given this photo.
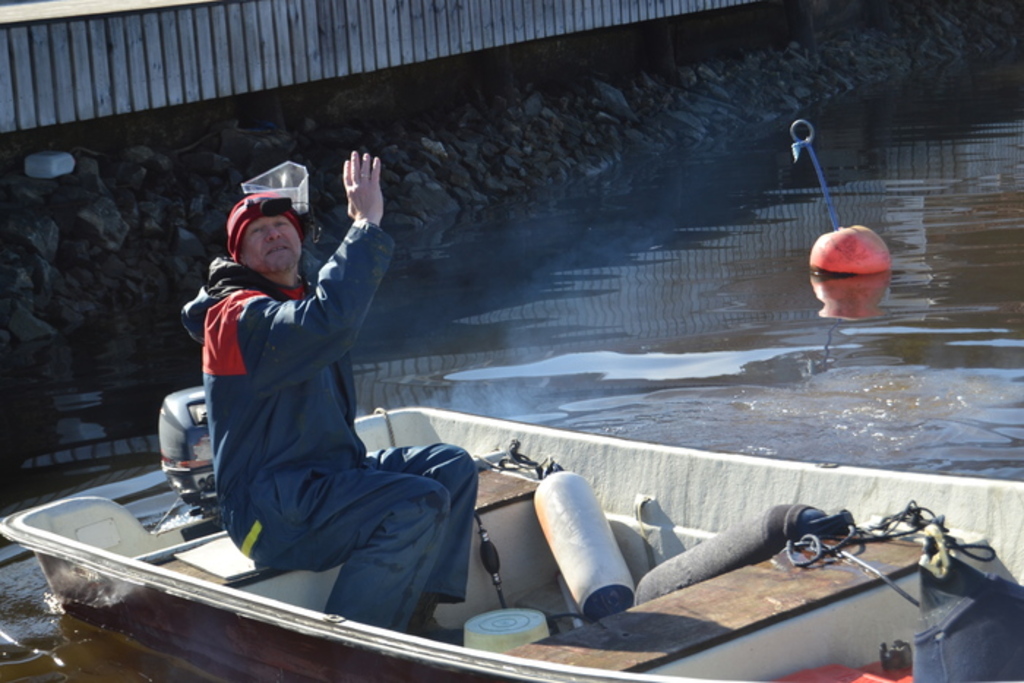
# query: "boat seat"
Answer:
x=221 y=558
x=218 y=560
x=215 y=559
x=718 y=610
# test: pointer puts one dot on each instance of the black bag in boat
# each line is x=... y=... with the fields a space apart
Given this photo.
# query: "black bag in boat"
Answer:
x=973 y=627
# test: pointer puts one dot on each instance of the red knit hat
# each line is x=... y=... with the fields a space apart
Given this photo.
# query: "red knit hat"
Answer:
x=255 y=206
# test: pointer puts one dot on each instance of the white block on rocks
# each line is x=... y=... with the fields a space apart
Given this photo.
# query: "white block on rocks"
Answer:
x=49 y=164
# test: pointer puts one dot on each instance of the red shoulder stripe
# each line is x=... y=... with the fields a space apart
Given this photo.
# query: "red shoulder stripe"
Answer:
x=221 y=352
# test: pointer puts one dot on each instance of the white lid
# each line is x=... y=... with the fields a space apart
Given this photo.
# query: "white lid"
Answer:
x=504 y=629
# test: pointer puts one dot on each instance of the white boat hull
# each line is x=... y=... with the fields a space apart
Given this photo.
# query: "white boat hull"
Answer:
x=660 y=500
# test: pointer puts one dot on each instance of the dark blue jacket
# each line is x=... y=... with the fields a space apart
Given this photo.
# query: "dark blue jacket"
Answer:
x=278 y=375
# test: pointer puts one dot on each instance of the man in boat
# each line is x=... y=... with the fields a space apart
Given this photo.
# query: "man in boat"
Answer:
x=296 y=486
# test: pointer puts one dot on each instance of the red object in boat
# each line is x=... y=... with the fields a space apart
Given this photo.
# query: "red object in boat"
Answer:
x=855 y=250
x=837 y=673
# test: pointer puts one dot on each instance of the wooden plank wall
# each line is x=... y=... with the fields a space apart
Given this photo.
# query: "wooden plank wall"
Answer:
x=60 y=70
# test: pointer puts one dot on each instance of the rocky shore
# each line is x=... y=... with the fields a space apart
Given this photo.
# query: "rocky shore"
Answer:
x=135 y=230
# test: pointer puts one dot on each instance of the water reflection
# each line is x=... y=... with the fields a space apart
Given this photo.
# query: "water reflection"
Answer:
x=86 y=654
x=852 y=297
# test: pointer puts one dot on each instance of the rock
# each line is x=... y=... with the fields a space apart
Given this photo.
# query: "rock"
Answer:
x=434 y=147
x=414 y=178
x=271 y=149
x=208 y=228
x=255 y=151
x=206 y=162
x=151 y=217
x=428 y=200
x=35 y=231
x=128 y=174
x=15 y=283
x=494 y=185
x=87 y=170
x=138 y=154
x=189 y=246
x=399 y=221
x=101 y=223
x=44 y=276
x=28 y=191
x=613 y=99
x=534 y=105
x=25 y=327
x=690 y=121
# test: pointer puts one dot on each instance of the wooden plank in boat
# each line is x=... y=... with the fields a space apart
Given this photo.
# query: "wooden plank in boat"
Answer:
x=496 y=490
x=718 y=610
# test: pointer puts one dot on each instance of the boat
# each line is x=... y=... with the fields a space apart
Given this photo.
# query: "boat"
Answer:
x=188 y=592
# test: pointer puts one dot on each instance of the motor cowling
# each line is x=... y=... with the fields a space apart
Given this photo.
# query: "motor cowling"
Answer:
x=186 y=456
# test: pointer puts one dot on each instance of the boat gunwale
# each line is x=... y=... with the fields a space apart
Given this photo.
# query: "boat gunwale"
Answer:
x=697 y=453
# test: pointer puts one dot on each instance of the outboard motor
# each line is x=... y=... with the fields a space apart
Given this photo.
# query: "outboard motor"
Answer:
x=186 y=456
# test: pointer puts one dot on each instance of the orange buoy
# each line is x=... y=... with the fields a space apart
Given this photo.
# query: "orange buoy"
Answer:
x=850 y=251
x=850 y=297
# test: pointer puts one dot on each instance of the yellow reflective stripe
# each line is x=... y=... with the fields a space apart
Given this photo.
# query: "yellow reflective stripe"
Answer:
x=250 y=538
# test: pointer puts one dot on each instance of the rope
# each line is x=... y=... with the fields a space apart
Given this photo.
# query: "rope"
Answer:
x=516 y=461
x=913 y=519
x=800 y=144
x=387 y=421
x=638 y=512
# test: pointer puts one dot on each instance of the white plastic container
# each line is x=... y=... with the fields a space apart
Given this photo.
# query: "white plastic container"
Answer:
x=49 y=164
x=504 y=629
x=288 y=180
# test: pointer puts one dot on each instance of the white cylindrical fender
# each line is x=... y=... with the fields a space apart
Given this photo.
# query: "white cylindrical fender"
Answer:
x=583 y=545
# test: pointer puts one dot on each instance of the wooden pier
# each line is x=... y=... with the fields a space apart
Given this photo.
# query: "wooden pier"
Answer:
x=63 y=61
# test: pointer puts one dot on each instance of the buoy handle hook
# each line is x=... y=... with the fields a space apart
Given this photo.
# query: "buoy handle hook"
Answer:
x=798 y=145
x=796 y=137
